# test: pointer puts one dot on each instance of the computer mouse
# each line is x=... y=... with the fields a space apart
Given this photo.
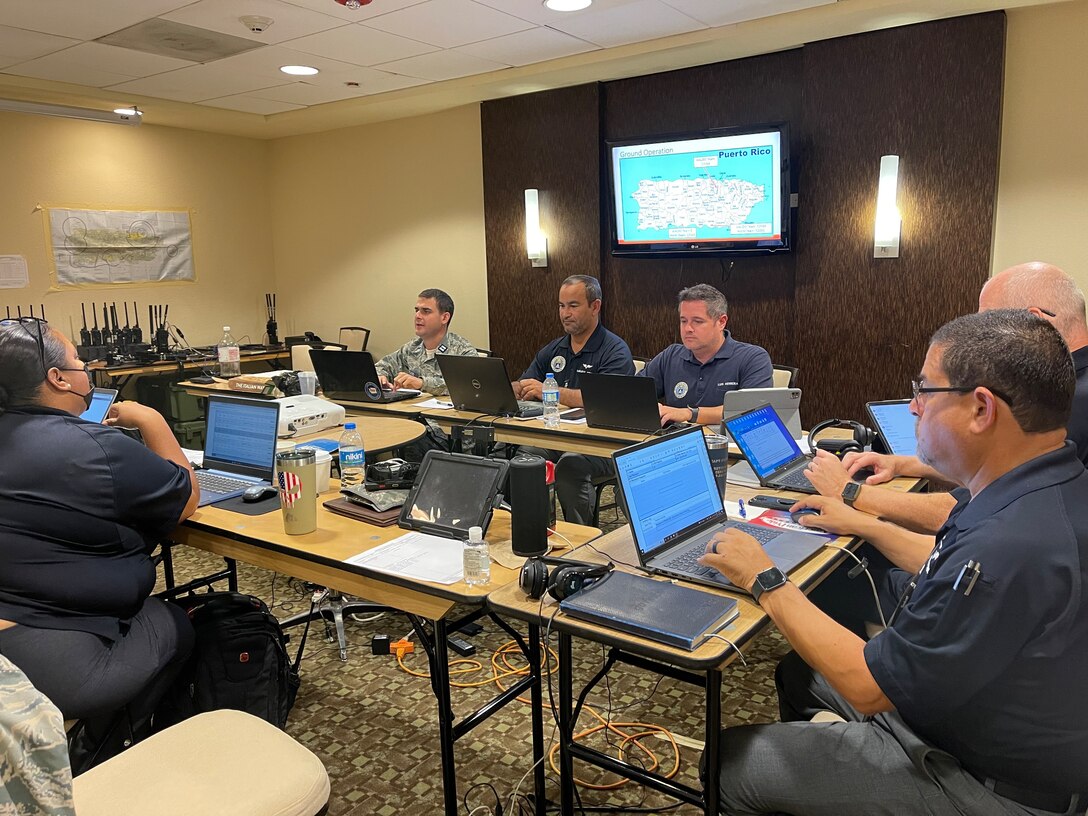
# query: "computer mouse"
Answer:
x=258 y=493
x=804 y=511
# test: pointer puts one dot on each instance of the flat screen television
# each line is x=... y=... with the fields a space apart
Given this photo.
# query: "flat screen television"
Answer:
x=717 y=193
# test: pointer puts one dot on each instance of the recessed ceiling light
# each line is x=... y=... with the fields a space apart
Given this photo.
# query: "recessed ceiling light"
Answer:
x=567 y=5
x=133 y=111
x=298 y=70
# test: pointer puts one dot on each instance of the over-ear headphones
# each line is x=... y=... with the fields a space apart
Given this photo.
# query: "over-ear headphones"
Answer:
x=862 y=437
x=564 y=580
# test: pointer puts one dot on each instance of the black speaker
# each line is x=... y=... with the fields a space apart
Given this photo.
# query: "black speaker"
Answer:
x=528 y=496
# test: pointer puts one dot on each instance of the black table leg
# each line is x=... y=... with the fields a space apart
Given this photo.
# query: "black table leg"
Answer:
x=440 y=680
x=566 y=726
x=536 y=695
x=711 y=790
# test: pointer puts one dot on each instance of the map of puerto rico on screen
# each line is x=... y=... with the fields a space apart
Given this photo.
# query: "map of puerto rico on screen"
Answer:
x=669 y=193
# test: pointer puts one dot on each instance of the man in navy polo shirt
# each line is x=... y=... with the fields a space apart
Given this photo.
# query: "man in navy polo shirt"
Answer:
x=693 y=376
x=586 y=345
x=972 y=700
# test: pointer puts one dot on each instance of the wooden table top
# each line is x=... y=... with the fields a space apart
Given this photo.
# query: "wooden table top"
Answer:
x=320 y=556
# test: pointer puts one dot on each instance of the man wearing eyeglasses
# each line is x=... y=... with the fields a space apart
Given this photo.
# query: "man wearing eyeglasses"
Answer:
x=81 y=508
x=1039 y=288
x=972 y=700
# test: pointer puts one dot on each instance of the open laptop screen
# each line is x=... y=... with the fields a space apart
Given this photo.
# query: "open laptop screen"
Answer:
x=896 y=425
x=763 y=439
x=241 y=434
x=667 y=486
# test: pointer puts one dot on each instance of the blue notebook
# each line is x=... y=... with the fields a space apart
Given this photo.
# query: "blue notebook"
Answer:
x=660 y=611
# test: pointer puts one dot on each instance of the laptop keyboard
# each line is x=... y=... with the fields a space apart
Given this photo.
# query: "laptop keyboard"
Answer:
x=795 y=478
x=685 y=561
x=214 y=483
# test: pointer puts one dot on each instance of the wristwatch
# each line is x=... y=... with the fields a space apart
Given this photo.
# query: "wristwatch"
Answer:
x=694 y=413
x=767 y=580
x=850 y=493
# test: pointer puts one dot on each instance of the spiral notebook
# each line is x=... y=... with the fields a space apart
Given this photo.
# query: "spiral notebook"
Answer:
x=656 y=610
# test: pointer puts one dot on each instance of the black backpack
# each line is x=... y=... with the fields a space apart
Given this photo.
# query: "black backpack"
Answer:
x=239 y=661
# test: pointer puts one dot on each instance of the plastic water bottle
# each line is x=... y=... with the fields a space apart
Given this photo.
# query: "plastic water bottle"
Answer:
x=477 y=558
x=352 y=457
x=550 y=396
x=230 y=358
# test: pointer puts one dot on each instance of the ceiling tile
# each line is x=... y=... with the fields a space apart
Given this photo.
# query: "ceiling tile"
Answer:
x=81 y=19
x=197 y=83
x=20 y=45
x=526 y=47
x=354 y=15
x=717 y=13
x=96 y=64
x=251 y=104
x=290 y=21
x=304 y=93
x=360 y=45
x=632 y=22
x=442 y=65
x=449 y=23
x=535 y=11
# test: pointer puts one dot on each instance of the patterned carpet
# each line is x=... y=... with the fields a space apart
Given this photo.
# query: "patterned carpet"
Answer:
x=375 y=726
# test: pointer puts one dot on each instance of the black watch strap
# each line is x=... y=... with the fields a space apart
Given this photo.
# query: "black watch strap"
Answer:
x=850 y=493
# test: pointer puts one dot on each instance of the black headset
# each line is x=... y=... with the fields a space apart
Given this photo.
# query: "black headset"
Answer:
x=862 y=437
x=564 y=580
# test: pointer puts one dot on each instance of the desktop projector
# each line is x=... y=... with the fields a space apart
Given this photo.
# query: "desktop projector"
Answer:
x=308 y=414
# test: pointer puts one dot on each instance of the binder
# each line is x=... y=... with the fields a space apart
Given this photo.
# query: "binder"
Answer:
x=656 y=610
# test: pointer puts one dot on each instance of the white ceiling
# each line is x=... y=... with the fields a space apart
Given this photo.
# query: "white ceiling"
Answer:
x=396 y=57
x=384 y=46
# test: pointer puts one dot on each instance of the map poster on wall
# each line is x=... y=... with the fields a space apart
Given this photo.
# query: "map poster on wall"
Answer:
x=108 y=247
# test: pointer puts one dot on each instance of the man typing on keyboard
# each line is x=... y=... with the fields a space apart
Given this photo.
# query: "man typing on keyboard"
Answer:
x=81 y=507
x=971 y=700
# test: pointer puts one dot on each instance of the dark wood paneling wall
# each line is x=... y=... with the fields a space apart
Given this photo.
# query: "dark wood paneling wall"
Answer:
x=857 y=327
x=548 y=141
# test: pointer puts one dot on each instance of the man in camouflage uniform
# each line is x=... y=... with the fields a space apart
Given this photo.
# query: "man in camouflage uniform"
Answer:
x=413 y=365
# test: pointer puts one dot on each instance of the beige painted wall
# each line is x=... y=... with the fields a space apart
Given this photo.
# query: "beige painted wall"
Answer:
x=1042 y=198
x=222 y=179
x=364 y=218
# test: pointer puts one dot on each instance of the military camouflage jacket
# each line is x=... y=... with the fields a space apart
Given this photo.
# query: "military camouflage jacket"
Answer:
x=411 y=358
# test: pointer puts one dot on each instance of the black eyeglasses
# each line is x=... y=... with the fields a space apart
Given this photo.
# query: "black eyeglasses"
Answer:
x=26 y=322
x=1047 y=312
x=918 y=389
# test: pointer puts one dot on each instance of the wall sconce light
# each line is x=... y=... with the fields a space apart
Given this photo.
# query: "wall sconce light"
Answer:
x=536 y=243
x=886 y=233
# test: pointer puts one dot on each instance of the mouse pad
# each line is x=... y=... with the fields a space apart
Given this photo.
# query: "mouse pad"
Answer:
x=236 y=505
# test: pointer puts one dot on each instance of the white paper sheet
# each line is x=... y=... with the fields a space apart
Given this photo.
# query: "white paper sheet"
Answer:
x=435 y=403
x=416 y=555
x=13 y=272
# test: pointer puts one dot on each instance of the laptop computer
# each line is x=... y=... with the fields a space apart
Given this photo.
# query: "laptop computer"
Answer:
x=770 y=449
x=482 y=384
x=674 y=508
x=239 y=447
x=620 y=402
x=351 y=376
x=895 y=424
x=786 y=401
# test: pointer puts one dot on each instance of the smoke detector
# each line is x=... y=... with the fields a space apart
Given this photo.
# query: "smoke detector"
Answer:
x=354 y=4
x=256 y=23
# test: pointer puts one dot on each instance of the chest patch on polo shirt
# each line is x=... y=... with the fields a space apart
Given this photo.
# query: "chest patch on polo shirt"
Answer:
x=680 y=390
x=558 y=363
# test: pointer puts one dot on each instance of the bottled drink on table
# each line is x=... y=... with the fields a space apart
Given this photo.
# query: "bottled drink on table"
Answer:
x=551 y=402
x=352 y=456
x=230 y=358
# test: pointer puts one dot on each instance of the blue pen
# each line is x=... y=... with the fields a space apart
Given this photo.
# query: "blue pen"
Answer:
x=740 y=508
